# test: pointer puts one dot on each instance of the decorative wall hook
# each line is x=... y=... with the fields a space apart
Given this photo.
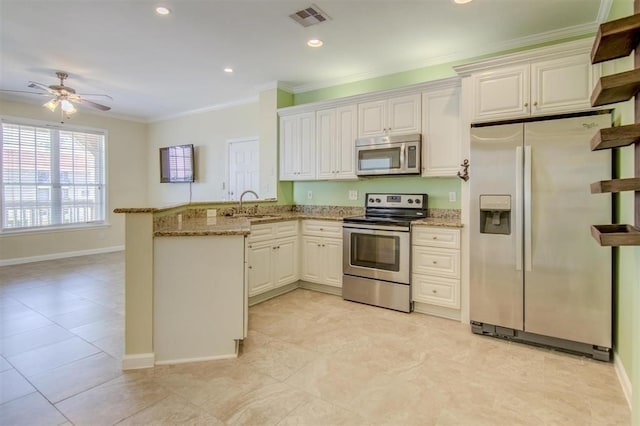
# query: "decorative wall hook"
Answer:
x=465 y=170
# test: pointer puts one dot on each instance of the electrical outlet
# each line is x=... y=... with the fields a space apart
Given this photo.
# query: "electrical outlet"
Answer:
x=309 y=195
x=353 y=194
x=452 y=197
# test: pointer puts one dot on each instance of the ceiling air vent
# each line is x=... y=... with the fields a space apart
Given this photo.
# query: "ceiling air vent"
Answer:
x=310 y=16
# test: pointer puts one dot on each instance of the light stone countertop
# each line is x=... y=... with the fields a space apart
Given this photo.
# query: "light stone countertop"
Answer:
x=241 y=225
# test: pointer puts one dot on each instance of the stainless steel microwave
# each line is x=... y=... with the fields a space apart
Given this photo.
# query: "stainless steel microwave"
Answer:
x=388 y=155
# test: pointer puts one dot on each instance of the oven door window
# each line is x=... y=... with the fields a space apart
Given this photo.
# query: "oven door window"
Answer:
x=379 y=159
x=375 y=251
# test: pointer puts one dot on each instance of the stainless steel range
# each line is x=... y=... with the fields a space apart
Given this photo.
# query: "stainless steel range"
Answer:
x=376 y=257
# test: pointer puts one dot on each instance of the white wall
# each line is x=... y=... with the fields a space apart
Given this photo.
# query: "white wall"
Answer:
x=127 y=184
x=209 y=132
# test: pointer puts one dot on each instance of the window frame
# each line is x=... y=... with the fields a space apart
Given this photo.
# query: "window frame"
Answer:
x=20 y=121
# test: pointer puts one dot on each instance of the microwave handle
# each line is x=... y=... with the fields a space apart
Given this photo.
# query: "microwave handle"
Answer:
x=403 y=148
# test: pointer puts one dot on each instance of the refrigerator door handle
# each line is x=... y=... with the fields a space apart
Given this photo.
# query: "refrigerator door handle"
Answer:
x=527 y=208
x=518 y=210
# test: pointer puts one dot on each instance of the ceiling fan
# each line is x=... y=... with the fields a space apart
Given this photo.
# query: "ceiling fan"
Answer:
x=64 y=96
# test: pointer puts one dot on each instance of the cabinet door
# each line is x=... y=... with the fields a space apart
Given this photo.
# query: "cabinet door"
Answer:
x=307 y=146
x=289 y=162
x=332 y=257
x=372 y=118
x=562 y=84
x=311 y=259
x=404 y=115
x=285 y=259
x=441 y=142
x=346 y=134
x=436 y=290
x=260 y=267
x=501 y=93
x=326 y=143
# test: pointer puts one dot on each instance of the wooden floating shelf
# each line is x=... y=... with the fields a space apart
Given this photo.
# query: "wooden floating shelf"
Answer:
x=615 y=137
x=616 y=235
x=616 y=185
x=616 y=88
x=616 y=39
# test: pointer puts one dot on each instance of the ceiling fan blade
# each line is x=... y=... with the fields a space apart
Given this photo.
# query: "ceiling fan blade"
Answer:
x=92 y=104
x=35 y=85
x=95 y=94
x=24 y=91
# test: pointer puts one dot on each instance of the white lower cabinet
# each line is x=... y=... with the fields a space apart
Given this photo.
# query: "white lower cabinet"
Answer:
x=272 y=251
x=322 y=252
x=436 y=266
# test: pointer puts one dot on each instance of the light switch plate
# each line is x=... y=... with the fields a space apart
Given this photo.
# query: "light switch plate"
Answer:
x=309 y=195
x=452 y=197
x=353 y=194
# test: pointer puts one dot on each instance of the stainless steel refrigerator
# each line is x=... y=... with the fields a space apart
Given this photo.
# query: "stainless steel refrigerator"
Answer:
x=536 y=274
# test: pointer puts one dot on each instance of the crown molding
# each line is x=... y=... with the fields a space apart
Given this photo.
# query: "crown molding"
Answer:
x=217 y=107
x=494 y=48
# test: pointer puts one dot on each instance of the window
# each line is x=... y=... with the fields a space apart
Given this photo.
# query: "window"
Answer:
x=51 y=177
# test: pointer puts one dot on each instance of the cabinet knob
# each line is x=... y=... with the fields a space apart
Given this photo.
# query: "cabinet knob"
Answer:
x=535 y=104
x=526 y=104
x=435 y=238
x=250 y=246
x=435 y=262
x=434 y=291
x=250 y=267
x=319 y=245
x=323 y=245
x=322 y=229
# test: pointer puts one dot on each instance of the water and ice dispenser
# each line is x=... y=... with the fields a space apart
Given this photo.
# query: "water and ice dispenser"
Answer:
x=495 y=214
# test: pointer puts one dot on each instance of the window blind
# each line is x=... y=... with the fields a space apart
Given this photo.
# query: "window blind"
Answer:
x=51 y=177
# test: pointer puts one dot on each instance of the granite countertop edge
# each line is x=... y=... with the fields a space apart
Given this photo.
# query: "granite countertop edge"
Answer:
x=194 y=227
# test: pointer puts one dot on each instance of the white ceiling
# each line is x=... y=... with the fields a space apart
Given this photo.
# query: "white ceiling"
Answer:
x=156 y=67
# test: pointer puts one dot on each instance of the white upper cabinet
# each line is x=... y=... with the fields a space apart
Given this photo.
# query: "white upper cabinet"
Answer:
x=501 y=93
x=297 y=147
x=441 y=132
x=335 y=138
x=563 y=84
x=393 y=116
x=550 y=80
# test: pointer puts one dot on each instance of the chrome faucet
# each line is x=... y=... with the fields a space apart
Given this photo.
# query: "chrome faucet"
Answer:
x=242 y=196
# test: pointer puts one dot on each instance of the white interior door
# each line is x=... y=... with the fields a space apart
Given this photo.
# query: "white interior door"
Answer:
x=243 y=167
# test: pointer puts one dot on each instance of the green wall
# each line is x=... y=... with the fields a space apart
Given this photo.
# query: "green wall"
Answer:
x=337 y=192
x=627 y=259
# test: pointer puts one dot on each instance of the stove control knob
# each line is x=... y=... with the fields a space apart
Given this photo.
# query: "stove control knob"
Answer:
x=410 y=201
x=378 y=200
x=371 y=200
x=417 y=200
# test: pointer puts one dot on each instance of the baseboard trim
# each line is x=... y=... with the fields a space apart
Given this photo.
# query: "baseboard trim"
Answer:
x=438 y=311
x=207 y=358
x=623 y=378
x=138 y=361
x=62 y=255
x=263 y=297
x=321 y=288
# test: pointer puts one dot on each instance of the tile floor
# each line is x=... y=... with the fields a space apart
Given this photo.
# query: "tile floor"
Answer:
x=310 y=359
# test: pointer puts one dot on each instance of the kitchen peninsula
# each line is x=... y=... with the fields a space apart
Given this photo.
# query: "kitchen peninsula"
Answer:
x=186 y=289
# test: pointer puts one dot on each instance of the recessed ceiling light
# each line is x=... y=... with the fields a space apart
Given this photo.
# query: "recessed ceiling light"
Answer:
x=161 y=10
x=314 y=42
x=228 y=70
x=462 y=1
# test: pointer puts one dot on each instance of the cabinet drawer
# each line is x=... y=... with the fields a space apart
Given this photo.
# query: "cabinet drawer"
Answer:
x=322 y=228
x=436 y=261
x=261 y=232
x=436 y=237
x=285 y=229
x=436 y=291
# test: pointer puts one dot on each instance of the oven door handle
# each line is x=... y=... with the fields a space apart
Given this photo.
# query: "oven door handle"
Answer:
x=374 y=229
